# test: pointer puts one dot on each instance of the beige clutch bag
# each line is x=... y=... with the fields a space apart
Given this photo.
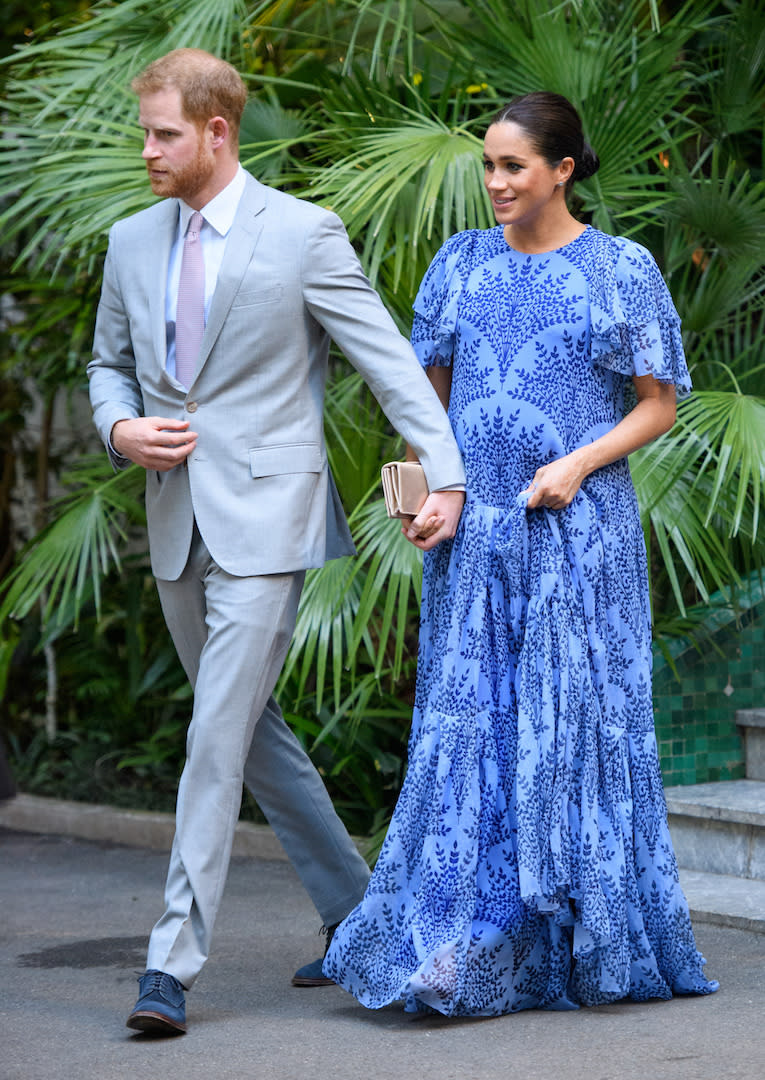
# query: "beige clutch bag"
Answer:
x=404 y=487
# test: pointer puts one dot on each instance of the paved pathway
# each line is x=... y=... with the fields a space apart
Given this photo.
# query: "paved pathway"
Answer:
x=73 y=922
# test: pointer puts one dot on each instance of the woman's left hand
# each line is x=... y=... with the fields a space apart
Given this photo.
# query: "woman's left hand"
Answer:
x=556 y=484
x=436 y=521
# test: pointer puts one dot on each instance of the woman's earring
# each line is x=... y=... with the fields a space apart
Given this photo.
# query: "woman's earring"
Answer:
x=560 y=183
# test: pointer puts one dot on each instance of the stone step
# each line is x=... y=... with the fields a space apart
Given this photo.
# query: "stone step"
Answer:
x=719 y=828
x=752 y=724
x=725 y=900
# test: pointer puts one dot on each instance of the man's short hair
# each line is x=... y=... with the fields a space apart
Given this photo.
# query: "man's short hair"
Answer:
x=208 y=86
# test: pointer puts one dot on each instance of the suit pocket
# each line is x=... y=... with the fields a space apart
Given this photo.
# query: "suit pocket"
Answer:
x=255 y=297
x=287 y=458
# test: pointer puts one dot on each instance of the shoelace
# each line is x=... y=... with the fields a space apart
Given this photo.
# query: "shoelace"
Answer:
x=329 y=931
x=158 y=980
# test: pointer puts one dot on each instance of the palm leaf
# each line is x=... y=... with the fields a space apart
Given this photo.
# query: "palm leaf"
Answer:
x=396 y=173
x=625 y=84
x=677 y=518
x=702 y=484
x=735 y=424
x=70 y=556
x=324 y=626
x=347 y=605
x=392 y=585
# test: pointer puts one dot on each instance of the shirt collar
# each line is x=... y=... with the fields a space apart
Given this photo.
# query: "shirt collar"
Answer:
x=220 y=211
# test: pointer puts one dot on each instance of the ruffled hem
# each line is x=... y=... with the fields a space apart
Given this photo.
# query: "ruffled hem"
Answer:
x=528 y=863
x=436 y=305
x=635 y=329
x=445 y=926
x=655 y=349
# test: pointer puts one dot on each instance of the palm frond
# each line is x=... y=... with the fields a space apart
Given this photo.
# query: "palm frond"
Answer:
x=625 y=84
x=734 y=424
x=689 y=550
x=732 y=73
x=714 y=248
x=70 y=556
x=324 y=626
x=350 y=605
x=733 y=358
x=723 y=212
x=400 y=173
x=358 y=435
x=392 y=584
x=386 y=31
x=701 y=485
x=267 y=133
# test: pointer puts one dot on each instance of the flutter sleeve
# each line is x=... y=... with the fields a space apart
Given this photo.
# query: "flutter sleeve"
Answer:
x=634 y=325
x=437 y=302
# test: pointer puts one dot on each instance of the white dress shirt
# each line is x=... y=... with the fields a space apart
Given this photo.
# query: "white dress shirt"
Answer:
x=218 y=218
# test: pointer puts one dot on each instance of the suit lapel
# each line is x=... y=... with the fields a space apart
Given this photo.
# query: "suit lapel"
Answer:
x=161 y=241
x=240 y=246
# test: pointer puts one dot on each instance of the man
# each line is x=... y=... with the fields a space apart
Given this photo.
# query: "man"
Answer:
x=208 y=370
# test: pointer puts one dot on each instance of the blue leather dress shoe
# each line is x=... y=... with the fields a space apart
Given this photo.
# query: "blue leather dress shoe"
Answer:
x=161 y=1006
x=312 y=974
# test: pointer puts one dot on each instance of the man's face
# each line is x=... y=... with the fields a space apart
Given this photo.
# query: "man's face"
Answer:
x=178 y=154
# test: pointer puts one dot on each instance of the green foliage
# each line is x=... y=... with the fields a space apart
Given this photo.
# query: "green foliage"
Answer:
x=376 y=108
x=123 y=695
x=23 y=21
x=394 y=162
x=67 y=559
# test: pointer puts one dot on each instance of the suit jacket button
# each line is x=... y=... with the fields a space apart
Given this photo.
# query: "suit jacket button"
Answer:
x=191 y=406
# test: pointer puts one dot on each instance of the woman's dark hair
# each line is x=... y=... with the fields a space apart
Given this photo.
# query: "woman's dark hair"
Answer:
x=554 y=129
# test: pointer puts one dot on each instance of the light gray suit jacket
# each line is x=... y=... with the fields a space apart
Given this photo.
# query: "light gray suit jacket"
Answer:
x=258 y=484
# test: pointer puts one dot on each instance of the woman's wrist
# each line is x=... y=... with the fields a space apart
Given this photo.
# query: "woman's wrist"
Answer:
x=584 y=461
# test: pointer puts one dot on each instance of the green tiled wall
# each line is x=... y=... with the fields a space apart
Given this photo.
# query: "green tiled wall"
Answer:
x=696 y=716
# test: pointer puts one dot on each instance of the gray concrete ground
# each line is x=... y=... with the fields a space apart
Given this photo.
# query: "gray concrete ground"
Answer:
x=73 y=922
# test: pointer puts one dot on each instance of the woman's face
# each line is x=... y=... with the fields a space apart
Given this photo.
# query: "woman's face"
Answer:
x=519 y=181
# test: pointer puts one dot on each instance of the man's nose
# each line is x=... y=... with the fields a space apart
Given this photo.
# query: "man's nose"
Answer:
x=150 y=149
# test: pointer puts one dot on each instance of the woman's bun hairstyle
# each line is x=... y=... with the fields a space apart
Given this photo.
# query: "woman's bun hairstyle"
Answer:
x=588 y=165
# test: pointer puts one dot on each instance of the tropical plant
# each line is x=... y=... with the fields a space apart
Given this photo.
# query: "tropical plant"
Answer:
x=376 y=108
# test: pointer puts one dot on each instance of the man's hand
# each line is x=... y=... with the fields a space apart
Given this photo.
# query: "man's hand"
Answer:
x=436 y=521
x=155 y=442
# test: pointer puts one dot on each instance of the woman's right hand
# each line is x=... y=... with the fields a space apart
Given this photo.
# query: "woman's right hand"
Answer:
x=555 y=484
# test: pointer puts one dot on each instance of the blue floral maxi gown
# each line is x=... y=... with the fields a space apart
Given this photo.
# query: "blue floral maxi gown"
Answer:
x=528 y=863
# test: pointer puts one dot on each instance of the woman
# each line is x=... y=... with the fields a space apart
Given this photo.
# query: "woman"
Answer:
x=528 y=863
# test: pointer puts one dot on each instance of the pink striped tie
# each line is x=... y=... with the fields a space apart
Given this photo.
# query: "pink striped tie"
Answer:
x=190 y=312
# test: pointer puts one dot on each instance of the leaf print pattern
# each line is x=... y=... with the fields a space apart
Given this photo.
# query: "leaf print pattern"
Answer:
x=528 y=863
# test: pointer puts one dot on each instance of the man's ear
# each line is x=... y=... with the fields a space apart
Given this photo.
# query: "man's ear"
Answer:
x=218 y=130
